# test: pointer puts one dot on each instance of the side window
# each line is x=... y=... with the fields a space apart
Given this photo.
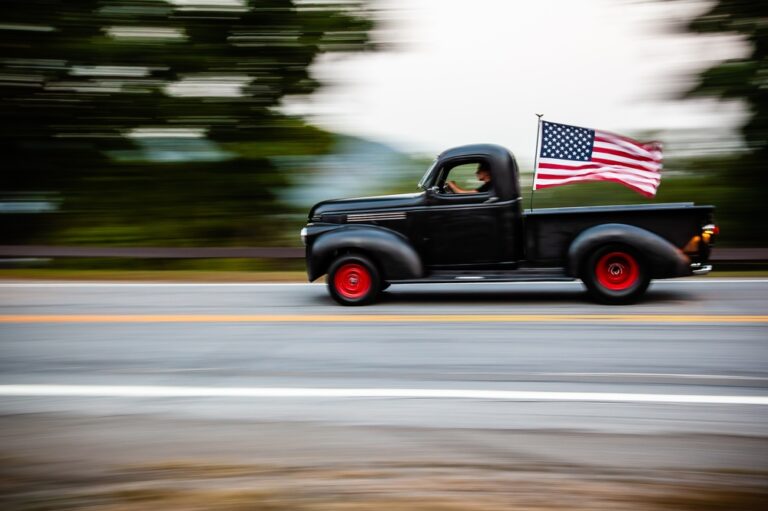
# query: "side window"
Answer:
x=470 y=177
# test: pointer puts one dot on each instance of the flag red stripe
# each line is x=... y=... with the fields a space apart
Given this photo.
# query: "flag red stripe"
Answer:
x=621 y=164
x=546 y=175
x=619 y=160
x=617 y=152
x=613 y=180
x=641 y=192
x=652 y=149
x=588 y=166
x=590 y=176
x=607 y=136
x=592 y=164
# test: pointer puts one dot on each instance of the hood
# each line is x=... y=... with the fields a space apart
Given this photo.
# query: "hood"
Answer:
x=381 y=202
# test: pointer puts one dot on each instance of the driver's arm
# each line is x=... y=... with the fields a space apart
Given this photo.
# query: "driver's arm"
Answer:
x=457 y=189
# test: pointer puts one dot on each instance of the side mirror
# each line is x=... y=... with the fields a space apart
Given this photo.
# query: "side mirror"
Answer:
x=434 y=190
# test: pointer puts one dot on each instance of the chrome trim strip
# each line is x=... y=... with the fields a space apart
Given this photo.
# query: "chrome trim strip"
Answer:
x=377 y=215
x=364 y=218
x=368 y=217
x=385 y=212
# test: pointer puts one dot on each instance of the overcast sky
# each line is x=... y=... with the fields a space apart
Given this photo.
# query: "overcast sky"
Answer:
x=478 y=70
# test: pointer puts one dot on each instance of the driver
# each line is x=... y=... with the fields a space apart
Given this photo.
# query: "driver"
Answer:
x=483 y=174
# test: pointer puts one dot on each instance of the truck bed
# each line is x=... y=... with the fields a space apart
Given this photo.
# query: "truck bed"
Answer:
x=550 y=231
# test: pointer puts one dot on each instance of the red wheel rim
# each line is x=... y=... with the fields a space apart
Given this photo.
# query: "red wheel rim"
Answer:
x=617 y=271
x=352 y=281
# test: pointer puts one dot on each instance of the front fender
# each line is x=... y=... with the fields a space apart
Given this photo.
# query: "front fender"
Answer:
x=664 y=259
x=394 y=255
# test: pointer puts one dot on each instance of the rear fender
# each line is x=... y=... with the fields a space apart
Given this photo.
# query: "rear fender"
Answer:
x=664 y=259
x=392 y=252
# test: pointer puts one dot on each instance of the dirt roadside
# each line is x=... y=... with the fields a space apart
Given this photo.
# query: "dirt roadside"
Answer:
x=62 y=462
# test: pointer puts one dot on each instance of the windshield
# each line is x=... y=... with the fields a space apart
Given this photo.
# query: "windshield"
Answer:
x=423 y=180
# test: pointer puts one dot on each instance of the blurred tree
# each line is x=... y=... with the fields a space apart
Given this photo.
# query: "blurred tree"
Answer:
x=744 y=79
x=154 y=122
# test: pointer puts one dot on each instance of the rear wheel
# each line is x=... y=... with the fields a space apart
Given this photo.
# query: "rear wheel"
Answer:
x=354 y=280
x=616 y=275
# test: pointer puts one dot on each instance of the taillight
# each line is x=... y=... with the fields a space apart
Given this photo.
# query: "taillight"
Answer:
x=708 y=231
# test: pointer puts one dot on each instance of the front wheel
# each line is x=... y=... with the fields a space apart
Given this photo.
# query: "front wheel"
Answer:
x=354 y=280
x=616 y=275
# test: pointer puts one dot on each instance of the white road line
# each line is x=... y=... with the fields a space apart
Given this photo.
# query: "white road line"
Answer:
x=661 y=375
x=709 y=280
x=133 y=391
x=66 y=284
x=156 y=284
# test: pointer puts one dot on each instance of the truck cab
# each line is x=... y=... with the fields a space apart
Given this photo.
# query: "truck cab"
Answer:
x=483 y=234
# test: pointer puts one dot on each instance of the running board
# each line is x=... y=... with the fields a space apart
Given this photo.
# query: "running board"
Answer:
x=521 y=275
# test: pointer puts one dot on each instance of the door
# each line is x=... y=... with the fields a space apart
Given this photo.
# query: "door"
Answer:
x=465 y=218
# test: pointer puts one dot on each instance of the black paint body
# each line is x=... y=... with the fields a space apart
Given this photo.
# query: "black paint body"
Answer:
x=416 y=236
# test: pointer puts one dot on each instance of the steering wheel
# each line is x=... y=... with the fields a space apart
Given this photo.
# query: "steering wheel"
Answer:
x=447 y=189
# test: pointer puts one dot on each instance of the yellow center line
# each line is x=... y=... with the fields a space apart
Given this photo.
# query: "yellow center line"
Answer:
x=381 y=318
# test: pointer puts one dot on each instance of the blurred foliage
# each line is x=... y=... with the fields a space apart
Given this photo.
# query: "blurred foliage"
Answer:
x=745 y=181
x=155 y=122
x=735 y=183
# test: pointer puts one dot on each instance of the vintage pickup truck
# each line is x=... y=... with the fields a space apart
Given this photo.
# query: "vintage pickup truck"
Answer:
x=436 y=235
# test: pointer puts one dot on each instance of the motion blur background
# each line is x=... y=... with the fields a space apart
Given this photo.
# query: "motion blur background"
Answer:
x=219 y=122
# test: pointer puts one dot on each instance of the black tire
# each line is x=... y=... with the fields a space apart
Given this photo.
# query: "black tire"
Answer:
x=616 y=275
x=354 y=280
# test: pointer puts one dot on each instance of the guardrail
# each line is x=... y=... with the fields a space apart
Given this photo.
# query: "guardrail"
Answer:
x=719 y=255
x=736 y=255
x=153 y=252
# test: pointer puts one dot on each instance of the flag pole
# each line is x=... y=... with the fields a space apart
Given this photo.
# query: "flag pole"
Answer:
x=536 y=157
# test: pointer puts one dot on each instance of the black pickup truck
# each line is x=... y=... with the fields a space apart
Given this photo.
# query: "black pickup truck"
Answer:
x=484 y=235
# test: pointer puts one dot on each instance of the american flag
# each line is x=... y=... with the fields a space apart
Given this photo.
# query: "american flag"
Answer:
x=570 y=154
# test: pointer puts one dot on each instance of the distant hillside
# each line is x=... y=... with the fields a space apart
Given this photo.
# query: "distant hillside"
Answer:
x=355 y=166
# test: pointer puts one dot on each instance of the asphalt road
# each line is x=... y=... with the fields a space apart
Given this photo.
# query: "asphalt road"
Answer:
x=434 y=373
